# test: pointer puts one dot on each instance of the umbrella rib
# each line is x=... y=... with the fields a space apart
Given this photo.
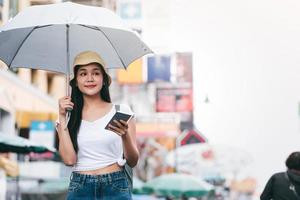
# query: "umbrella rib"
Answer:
x=36 y=27
x=21 y=45
x=97 y=28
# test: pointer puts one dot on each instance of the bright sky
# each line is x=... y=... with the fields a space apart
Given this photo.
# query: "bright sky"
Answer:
x=246 y=60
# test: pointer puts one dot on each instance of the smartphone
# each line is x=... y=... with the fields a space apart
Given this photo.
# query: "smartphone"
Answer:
x=118 y=116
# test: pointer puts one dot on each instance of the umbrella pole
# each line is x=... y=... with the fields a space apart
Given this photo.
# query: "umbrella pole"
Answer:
x=68 y=115
x=18 y=188
x=68 y=62
x=67 y=85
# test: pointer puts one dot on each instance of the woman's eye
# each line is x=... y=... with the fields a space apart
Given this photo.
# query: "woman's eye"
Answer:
x=82 y=74
x=97 y=73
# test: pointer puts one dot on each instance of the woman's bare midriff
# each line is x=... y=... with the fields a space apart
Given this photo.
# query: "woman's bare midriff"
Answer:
x=105 y=170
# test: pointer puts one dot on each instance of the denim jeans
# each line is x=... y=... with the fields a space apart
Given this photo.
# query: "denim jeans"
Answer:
x=112 y=186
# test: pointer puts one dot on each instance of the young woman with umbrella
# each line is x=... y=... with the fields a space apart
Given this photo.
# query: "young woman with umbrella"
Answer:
x=96 y=154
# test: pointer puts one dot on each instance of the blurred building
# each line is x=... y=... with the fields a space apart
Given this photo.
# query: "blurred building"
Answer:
x=7 y=114
x=110 y=4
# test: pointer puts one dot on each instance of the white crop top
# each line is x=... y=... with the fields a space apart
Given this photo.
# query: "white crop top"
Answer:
x=98 y=147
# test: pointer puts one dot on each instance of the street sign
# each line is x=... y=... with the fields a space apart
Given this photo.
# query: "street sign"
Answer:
x=42 y=132
x=191 y=136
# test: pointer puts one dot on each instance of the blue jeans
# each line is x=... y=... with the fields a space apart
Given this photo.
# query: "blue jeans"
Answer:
x=112 y=186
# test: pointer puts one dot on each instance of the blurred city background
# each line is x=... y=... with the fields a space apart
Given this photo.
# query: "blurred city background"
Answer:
x=218 y=99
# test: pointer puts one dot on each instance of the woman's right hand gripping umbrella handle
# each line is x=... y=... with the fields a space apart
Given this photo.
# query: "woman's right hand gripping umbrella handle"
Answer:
x=65 y=107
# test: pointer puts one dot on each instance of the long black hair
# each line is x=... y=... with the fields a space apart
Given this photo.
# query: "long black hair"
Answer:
x=77 y=99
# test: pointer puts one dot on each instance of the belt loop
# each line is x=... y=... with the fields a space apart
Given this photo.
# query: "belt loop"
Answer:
x=71 y=176
x=99 y=179
x=110 y=178
x=83 y=179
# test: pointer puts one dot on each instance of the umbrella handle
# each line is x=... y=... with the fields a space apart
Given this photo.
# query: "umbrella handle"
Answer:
x=68 y=116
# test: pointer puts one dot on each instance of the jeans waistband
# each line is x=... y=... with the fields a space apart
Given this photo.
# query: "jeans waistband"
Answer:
x=103 y=178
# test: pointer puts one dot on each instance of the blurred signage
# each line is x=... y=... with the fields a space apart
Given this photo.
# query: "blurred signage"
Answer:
x=184 y=67
x=186 y=120
x=42 y=132
x=150 y=129
x=132 y=75
x=24 y=118
x=159 y=68
x=191 y=136
x=174 y=100
x=130 y=10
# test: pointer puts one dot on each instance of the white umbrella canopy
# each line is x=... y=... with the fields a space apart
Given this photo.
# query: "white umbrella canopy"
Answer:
x=48 y=37
x=65 y=13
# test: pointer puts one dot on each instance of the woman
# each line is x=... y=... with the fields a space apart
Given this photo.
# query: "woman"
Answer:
x=96 y=154
x=285 y=185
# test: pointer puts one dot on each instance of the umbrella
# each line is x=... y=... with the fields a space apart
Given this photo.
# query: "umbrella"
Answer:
x=16 y=144
x=177 y=185
x=48 y=37
x=208 y=160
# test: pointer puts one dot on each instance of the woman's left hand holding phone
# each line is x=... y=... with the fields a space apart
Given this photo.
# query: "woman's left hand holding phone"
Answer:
x=121 y=127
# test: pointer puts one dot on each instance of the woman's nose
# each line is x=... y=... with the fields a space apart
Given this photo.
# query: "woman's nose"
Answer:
x=90 y=77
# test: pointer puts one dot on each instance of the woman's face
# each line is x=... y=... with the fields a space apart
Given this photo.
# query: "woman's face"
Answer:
x=89 y=79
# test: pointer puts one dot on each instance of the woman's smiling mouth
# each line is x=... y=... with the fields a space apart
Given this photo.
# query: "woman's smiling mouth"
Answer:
x=90 y=86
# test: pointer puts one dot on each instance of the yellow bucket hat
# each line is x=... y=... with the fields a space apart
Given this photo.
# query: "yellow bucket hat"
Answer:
x=88 y=57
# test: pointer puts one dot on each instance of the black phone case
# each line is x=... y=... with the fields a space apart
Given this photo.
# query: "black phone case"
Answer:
x=118 y=116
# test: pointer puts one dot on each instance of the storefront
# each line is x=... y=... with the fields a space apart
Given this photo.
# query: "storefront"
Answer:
x=7 y=119
x=6 y=127
x=25 y=103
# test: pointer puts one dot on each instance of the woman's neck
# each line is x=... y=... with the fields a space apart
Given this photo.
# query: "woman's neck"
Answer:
x=92 y=101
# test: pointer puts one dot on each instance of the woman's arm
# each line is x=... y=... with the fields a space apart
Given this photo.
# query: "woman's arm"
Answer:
x=128 y=133
x=131 y=152
x=65 y=148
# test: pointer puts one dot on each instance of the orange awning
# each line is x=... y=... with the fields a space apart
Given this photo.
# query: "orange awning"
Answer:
x=24 y=118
